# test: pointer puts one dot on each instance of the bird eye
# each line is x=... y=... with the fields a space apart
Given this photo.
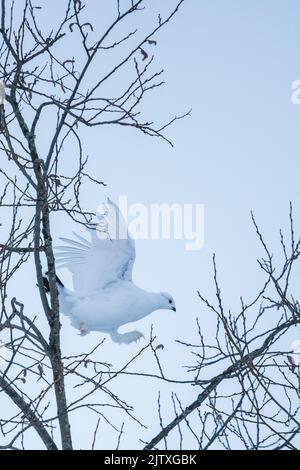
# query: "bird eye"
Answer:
x=170 y=301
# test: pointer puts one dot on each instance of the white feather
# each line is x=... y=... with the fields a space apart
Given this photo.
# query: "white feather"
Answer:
x=104 y=296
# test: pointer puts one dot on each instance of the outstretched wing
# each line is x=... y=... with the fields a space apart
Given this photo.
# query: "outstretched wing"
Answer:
x=108 y=257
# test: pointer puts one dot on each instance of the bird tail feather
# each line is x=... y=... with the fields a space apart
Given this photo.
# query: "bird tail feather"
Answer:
x=59 y=284
x=64 y=295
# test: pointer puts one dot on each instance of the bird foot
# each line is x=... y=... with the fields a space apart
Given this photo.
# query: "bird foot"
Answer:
x=83 y=329
x=136 y=336
x=126 y=338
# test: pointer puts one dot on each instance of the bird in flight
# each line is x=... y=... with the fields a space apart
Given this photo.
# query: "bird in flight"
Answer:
x=104 y=296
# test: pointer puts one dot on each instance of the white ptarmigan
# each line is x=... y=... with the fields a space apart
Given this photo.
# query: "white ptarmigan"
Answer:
x=104 y=296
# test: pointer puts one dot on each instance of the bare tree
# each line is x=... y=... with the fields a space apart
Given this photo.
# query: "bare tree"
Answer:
x=253 y=400
x=43 y=87
x=259 y=409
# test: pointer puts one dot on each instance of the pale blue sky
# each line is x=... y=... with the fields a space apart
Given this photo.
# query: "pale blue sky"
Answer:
x=233 y=62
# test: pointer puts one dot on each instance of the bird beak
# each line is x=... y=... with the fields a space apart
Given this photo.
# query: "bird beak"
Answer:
x=174 y=309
